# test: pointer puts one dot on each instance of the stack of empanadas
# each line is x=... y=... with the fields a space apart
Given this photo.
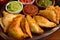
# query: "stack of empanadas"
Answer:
x=51 y=13
x=15 y=30
x=20 y=26
x=17 y=26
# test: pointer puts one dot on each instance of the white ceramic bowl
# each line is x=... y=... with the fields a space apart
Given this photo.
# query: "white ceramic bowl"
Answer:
x=16 y=11
x=27 y=3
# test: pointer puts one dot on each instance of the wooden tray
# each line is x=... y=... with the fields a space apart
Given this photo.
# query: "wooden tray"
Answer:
x=47 y=32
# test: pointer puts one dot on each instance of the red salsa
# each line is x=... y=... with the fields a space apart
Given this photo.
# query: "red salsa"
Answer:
x=30 y=9
x=26 y=1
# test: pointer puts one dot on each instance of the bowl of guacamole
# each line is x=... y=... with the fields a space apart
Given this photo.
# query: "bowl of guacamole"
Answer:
x=14 y=7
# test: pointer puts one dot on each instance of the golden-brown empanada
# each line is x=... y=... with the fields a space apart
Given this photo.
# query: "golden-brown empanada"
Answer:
x=48 y=14
x=28 y=29
x=1 y=23
x=56 y=12
x=15 y=30
x=7 y=19
x=33 y=25
x=25 y=27
x=43 y=22
x=58 y=9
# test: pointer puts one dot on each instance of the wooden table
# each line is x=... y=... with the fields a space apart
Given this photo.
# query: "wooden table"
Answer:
x=54 y=36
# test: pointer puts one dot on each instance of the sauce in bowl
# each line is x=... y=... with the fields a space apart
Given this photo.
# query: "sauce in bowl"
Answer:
x=30 y=9
x=45 y=3
x=14 y=7
x=27 y=1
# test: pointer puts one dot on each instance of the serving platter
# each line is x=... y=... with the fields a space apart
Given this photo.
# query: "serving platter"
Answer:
x=47 y=32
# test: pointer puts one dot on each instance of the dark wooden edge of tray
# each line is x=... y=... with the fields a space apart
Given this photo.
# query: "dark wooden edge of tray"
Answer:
x=46 y=34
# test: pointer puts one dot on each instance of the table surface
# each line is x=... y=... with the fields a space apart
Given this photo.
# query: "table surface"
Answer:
x=54 y=36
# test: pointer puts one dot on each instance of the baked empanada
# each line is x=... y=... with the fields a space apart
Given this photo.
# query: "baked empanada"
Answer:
x=58 y=9
x=25 y=27
x=43 y=22
x=56 y=12
x=33 y=25
x=15 y=30
x=51 y=13
x=1 y=23
x=7 y=19
x=48 y=14
x=28 y=29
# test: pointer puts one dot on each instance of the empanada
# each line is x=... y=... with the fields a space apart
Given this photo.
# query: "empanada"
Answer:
x=51 y=13
x=48 y=14
x=43 y=22
x=15 y=30
x=28 y=29
x=33 y=25
x=25 y=27
x=56 y=12
x=7 y=19
x=1 y=23
x=58 y=9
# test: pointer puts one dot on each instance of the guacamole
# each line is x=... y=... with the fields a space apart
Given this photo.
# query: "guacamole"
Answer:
x=14 y=6
x=45 y=3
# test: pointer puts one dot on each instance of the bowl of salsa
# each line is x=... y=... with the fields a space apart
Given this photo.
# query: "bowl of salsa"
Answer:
x=26 y=1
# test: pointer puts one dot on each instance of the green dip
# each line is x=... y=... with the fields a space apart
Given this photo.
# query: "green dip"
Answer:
x=45 y=3
x=14 y=6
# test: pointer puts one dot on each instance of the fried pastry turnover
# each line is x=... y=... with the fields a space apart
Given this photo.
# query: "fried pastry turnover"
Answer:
x=15 y=30
x=55 y=9
x=58 y=9
x=51 y=13
x=7 y=19
x=25 y=27
x=33 y=25
x=44 y=22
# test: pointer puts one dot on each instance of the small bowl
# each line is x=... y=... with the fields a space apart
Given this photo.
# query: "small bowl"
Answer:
x=27 y=3
x=15 y=11
x=30 y=9
x=53 y=3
